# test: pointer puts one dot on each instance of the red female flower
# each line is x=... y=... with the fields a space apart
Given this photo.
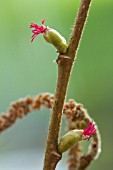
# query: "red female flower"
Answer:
x=38 y=29
x=50 y=35
x=89 y=130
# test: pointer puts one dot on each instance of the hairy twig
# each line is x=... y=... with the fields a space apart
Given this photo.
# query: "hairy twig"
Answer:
x=78 y=27
x=65 y=63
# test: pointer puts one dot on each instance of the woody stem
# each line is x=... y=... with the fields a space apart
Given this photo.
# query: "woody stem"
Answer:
x=65 y=63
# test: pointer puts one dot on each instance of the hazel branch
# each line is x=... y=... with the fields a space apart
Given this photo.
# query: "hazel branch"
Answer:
x=65 y=63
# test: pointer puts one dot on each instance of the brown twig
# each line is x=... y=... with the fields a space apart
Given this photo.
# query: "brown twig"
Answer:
x=65 y=62
x=78 y=27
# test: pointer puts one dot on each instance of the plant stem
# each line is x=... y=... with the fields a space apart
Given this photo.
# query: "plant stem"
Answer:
x=65 y=63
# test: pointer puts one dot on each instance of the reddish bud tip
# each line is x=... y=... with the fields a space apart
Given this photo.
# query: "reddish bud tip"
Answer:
x=89 y=130
x=37 y=29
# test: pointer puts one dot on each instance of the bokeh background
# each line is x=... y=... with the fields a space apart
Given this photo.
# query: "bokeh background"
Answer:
x=28 y=68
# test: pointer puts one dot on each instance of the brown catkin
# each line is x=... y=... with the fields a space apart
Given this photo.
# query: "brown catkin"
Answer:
x=75 y=114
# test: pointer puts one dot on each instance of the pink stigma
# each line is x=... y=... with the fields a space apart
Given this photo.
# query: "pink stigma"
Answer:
x=38 y=29
x=89 y=130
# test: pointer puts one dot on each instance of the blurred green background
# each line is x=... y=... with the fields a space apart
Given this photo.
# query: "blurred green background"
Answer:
x=28 y=68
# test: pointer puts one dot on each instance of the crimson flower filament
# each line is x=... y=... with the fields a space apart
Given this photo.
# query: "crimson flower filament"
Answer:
x=38 y=29
x=89 y=131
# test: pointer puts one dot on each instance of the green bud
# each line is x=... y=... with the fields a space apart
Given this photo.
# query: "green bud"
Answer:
x=53 y=37
x=69 y=139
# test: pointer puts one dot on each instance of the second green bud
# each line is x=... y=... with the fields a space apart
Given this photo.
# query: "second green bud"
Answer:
x=69 y=139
